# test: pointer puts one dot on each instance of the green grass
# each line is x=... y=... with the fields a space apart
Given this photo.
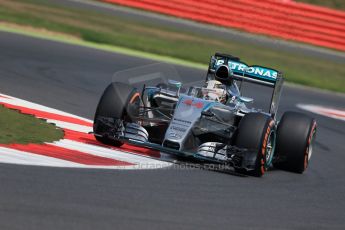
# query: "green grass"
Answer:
x=335 y=4
x=115 y=31
x=23 y=129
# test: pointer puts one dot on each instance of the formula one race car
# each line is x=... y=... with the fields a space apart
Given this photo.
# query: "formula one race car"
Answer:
x=213 y=123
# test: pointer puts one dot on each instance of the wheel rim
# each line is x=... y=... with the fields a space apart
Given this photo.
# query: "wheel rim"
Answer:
x=309 y=150
x=270 y=147
x=310 y=147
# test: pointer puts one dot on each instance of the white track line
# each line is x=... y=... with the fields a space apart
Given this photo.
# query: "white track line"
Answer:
x=71 y=126
x=328 y=112
x=13 y=156
x=30 y=105
x=143 y=162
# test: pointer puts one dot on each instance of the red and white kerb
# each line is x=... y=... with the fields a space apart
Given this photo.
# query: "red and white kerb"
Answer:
x=77 y=149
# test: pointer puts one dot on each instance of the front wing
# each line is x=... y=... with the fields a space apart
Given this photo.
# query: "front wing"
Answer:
x=209 y=152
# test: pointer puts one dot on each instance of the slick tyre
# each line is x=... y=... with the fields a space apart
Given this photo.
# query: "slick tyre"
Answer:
x=256 y=132
x=295 y=136
x=119 y=101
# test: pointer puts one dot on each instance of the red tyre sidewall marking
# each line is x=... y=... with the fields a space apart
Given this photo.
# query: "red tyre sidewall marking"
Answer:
x=264 y=146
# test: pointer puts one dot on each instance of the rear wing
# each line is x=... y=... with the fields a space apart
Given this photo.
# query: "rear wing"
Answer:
x=242 y=71
x=256 y=74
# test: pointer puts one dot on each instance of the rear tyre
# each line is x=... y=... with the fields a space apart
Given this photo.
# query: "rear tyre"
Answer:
x=119 y=101
x=295 y=135
x=256 y=132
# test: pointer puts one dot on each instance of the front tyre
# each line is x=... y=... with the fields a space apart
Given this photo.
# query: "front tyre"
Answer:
x=256 y=132
x=295 y=136
x=119 y=101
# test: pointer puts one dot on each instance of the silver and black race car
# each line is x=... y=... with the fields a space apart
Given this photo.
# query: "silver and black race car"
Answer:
x=213 y=124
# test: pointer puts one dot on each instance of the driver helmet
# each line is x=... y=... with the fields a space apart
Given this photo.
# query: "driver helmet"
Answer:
x=214 y=90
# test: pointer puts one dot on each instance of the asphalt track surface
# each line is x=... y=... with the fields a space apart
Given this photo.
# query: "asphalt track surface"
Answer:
x=72 y=79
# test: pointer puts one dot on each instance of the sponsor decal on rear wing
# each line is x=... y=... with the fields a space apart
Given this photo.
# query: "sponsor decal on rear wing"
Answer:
x=241 y=69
